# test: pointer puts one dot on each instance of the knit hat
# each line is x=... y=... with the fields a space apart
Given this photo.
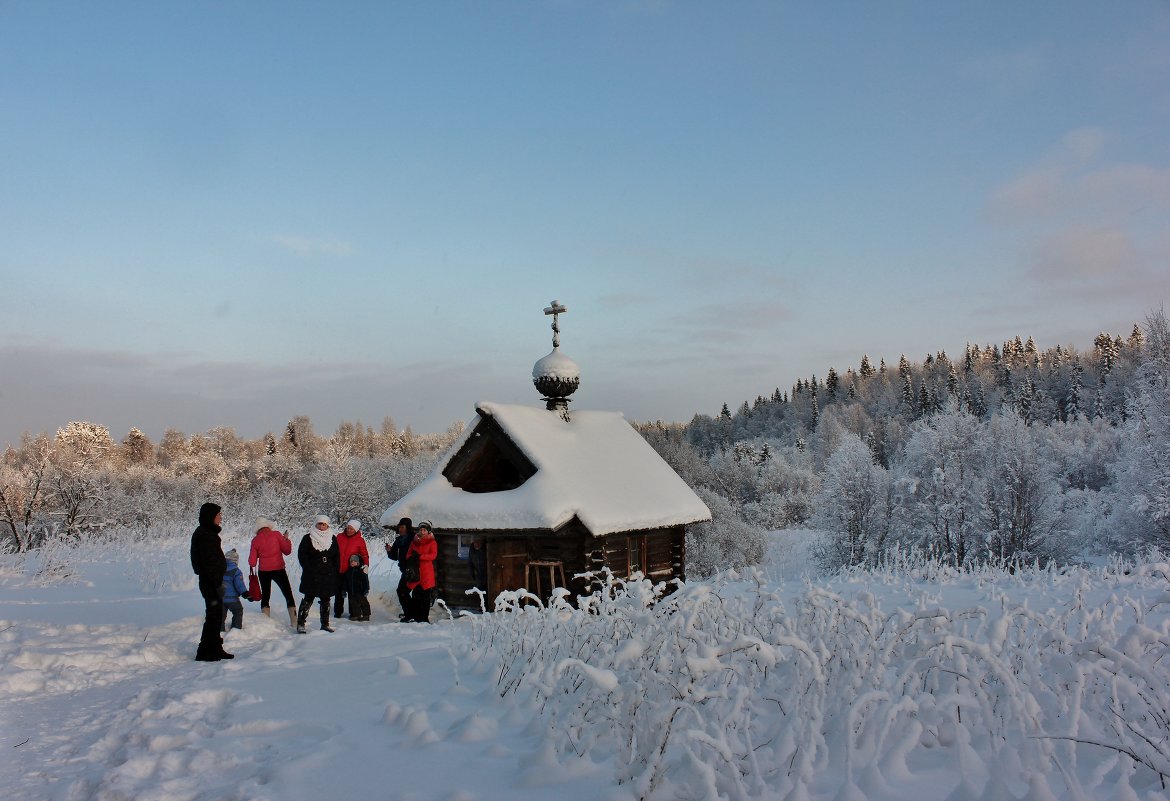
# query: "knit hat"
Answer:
x=355 y=559
x=264 y=522
x=425 y=524
x=322 y=519
x=233 y=555
x=355 y=524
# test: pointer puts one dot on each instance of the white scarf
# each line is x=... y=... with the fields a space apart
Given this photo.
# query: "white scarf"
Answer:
x=321 y=539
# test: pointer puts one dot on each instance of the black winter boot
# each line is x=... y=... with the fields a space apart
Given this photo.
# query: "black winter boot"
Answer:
x=325 y=621
x=303 y=615
x=203 y=654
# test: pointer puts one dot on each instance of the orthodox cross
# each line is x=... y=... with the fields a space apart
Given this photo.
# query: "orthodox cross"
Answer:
x=556 y=309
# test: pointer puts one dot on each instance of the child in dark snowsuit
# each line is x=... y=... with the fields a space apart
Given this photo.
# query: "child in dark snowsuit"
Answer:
x=234 y=589
x=358 y=588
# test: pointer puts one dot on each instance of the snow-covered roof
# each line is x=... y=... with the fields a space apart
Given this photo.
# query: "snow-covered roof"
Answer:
x=595 y=467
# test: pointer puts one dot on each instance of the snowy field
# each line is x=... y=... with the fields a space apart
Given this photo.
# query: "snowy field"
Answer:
x=915 y=683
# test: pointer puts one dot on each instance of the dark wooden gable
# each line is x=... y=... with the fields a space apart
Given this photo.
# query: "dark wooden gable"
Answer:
x=488 y=461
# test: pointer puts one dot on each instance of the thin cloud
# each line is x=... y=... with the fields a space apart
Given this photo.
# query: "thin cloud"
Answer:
x=1010 y=72
x=624 y=300
x=1090 y=229
x=1074 y=182
x=729 y=322
x=306 y=247
x=1094 y=263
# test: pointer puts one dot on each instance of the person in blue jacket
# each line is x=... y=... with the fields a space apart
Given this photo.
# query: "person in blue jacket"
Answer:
x=234 y=589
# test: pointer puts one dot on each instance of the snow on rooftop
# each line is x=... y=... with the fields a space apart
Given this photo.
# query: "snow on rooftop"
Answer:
x=595 y=467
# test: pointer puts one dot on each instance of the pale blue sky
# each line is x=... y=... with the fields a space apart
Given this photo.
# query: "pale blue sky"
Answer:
x=234 y=213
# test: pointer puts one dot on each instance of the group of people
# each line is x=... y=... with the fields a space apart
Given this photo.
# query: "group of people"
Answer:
x=334 y=568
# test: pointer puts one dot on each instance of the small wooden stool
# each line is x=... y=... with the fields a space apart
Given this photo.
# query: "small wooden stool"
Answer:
x=553 y=569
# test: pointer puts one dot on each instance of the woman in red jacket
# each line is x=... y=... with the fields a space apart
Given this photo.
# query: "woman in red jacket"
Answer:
x=426 y=549
x=269 y=547
x=349 y=542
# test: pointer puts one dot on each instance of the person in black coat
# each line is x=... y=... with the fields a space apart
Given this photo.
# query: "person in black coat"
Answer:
x=320 y=560
x=209 y=564
x=397 y=551
x=477 y=564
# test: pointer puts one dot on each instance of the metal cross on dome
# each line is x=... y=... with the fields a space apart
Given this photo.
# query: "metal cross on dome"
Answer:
x=556 y=309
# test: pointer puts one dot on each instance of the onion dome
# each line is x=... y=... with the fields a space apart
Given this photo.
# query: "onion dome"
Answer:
x=556 y=376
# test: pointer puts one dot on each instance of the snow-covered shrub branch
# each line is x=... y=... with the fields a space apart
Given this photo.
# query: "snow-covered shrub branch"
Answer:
x=727 y=690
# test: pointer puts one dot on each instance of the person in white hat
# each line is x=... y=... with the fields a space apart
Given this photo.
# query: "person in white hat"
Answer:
x=269 y=547
x=318 y=556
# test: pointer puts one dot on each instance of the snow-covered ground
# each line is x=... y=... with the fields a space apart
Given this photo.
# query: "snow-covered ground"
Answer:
x=915 y=684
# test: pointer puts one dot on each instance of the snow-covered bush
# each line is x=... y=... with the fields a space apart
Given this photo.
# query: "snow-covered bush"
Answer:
x=723 y=691
x=725 y=541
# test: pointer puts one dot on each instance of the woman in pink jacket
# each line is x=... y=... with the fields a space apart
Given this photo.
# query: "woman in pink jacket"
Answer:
x=269 y=547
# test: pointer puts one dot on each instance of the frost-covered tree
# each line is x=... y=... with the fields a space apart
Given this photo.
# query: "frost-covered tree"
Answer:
x=300 y=439
x=137 y=449
x=1143 y=471
x=345 y=485
x=832 y=383
x=940 y=485
x=172 y=447
x=1021 y=492
x=24 y=485
x=853 y=506
x=725 y=542
x=80 y=481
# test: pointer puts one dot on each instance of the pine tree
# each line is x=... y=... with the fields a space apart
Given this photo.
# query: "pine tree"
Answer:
x=138 y=448
x=832 y=380
x=866 y=370
x=980 y=402
x=1026 y=400
x=1072 y=406
x=1107 y=352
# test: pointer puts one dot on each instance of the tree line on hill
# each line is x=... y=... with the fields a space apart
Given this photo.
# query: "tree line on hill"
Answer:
x=1003 y=454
